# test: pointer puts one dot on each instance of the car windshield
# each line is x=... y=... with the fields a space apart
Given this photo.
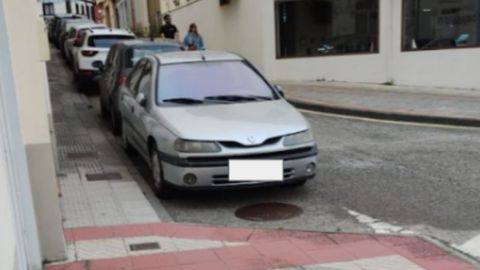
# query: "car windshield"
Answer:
x=133 y=55
x=223 y=81
x=106 y=41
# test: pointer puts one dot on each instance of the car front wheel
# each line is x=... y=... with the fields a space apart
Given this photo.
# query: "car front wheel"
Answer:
x=162 y=190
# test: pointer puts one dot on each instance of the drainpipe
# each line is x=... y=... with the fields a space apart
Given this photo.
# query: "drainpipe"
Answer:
x=133 y=16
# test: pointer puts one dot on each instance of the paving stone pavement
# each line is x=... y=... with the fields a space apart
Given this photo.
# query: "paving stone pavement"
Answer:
x=461 y=103
x=83 y=149
x=189 y=246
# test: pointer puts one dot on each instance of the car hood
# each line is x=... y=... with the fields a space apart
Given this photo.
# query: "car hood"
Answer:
x=245 y=123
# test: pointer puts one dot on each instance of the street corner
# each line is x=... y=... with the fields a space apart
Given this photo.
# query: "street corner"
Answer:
x=189 y=246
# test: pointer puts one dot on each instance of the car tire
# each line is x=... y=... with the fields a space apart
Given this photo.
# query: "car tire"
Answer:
x=126 y=144
x=116 y=122
x=161 y=188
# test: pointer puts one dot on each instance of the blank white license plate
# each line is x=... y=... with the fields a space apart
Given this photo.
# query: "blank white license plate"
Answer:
x=255 y=170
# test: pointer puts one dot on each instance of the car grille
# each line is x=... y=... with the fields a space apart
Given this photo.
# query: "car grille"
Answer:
x=239 y=145
x=280 y=155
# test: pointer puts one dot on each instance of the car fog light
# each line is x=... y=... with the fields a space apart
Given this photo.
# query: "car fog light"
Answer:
x=190 y=179
x=310 y=168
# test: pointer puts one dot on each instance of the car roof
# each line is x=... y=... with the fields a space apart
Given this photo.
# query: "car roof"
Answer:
x=196 y=56
x=110 y=31
x=77 y=21
x=138 y=43
x=90 y=25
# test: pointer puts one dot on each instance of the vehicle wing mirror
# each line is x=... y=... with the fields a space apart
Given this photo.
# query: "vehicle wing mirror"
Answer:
x=279 y=90
x=141 y=99
x=98 y=64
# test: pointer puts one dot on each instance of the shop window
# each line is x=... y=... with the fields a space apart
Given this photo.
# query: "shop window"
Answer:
x=440 y=24
x=326 y=27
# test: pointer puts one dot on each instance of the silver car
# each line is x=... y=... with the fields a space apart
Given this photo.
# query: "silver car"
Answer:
x=209 y=120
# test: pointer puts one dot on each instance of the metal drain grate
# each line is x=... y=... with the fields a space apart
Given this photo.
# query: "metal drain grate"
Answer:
x=103 y=176
x=144 y=246
x=82 y=155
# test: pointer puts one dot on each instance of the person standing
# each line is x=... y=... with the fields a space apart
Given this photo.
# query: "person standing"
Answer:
x=169 y=30
x=193 y=40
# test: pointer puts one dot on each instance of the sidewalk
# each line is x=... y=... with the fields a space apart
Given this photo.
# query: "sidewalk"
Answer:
x=415 y=104
x=110 y=224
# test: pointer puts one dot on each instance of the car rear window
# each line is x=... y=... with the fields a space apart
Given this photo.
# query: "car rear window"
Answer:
x=106 y=41
x=135 y=54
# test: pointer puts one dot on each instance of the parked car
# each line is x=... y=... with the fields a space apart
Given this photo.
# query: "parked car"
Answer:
x=209 y=120
x=74 y=36
x=57 y=27
x=120 y=61
x=64 y=31
x=93 y=47
x=54 y=23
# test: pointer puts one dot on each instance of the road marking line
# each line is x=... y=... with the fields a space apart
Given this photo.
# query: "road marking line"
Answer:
x=377 y=225
x=403 y=123
x=471 y=247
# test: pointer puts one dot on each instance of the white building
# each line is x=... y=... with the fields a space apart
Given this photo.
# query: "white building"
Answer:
x=407 y=42
x=30 y=219
x=133 y=15
x=81 y=7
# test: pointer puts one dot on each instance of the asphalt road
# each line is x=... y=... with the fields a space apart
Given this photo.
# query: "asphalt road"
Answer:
x=421 y=178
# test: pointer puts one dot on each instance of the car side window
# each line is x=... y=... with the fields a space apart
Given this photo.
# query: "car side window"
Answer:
x=145 y=82
x=82 y=38
x=135 y=76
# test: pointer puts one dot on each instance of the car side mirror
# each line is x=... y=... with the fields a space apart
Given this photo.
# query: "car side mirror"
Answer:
x=279 y=90
x=141 y=99
x=98 y=64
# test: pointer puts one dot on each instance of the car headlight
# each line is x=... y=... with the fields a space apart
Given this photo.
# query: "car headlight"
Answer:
x=298 y=138
x=196 y=147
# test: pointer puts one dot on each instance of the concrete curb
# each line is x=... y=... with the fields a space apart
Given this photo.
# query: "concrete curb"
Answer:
x=450 y=249
x=319 y=106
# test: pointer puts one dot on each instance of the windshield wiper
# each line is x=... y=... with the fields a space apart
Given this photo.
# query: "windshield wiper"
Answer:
x=234 y=98
x=183 y=101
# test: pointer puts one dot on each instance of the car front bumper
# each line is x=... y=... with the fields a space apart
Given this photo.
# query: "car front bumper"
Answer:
x=216 y=177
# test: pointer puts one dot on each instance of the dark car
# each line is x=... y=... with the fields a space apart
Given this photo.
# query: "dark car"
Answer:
x=121 y=59
x=56 y=28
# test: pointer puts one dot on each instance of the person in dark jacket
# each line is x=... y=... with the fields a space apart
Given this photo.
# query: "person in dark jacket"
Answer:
x=169 y=30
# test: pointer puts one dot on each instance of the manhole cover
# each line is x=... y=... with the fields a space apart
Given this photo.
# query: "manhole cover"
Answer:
x=103 y=176
x=268 y=212
x=144 y=246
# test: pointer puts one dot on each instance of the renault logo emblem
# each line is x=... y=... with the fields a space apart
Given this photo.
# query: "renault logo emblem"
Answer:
x=251 y=139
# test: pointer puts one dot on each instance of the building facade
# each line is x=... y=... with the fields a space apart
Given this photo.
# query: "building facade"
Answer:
x=81 y=7
x=406 y=42
x=30 y=219
x=133 y=15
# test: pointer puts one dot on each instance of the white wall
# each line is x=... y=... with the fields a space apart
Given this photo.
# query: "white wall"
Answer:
x=248 y=28
x=453 y=68
x=25 y=36
x=60 y=6
x=236 y=27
